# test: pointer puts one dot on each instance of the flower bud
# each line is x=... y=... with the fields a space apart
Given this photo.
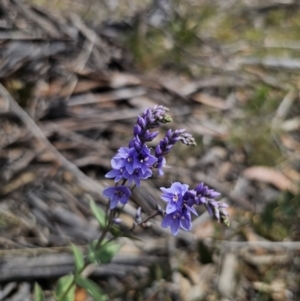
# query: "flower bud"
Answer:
x=137 y=130
x=138 y=215
x=117 y=221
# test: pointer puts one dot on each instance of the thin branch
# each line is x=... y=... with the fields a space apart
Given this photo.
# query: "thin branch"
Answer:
x=86 y=182
x=270 y=245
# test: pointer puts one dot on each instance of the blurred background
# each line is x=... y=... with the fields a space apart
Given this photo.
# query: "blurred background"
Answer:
x=82 y=71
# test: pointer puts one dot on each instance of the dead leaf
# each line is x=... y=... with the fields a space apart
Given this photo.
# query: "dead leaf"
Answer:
x=86 y=85
x=80 y=294
x=119 y=80
x=290 y=143
x=108 y=96
x=24 y=179
x=291 y=174
x=213 y=101
x=204 y=230
x=271 y=176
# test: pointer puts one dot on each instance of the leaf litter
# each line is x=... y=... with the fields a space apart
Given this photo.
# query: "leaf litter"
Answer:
x=70 y=93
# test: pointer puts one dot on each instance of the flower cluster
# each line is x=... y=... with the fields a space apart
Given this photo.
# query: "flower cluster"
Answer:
x=181 y=202
x=167 y=143
x=135 y=163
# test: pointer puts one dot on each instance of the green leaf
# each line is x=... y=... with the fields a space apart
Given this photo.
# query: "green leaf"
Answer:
x=38 y=293
x=92 y=288
x=104 y=253
x=91 y=255
x=62 y=286
x=78 y=256
x=115 y=231
x=99 y=214
x=107 y=252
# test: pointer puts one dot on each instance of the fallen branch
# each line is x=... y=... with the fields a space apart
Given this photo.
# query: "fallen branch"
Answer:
x=59 y=264
x=270 y=245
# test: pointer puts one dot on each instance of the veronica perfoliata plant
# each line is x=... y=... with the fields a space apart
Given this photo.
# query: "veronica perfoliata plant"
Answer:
x=131 y=165
x=137 y=162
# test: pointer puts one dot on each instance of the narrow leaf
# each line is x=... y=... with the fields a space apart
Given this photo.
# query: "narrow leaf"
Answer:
x=91 y=255
x=62 y=286
x=92 y=288
x=99 y=214
x=38 y=293
x=78 y=257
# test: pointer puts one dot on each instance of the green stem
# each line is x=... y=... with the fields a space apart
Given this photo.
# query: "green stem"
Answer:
x=72 y=283
x=105 y=231
x=100 y=240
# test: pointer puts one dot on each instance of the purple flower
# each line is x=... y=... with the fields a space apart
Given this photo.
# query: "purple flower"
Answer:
x=136 y=143
x=203 y=190
x=181 y=202
x=206 y=196
x=156 y=116
x=149 y=136
x=174 y=196
x=175 y=220
x=203 y=193
x=189 y=201
x=135 y=165
x=135 y=162
x=145 y=159
x=151 y=118
x=117 y=194
x=116 y=173
x=127 y=158
x=137 y=176
x=161 y=162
